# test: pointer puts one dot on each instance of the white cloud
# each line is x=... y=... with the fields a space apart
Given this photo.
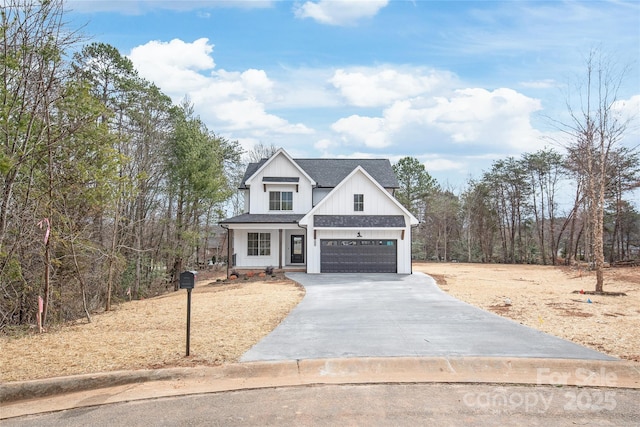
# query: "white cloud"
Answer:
x=629 y=113
x=468 y=117
x=339 y=12
x=325 y=144
x=227 y=101
x=369 y=131
x=629 y=109
x=174 y=66
x=376 y=87
x=256 y=81
x=475 y=115
x=249 y=116
x=441 y=164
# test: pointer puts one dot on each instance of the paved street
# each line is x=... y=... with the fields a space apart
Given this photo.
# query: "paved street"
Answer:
x=371 y=405
x=379 y=315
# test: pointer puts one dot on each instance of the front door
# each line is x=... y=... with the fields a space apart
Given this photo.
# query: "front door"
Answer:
x=297 y=249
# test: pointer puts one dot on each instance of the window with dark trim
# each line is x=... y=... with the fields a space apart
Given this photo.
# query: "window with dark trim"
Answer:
x=280 y=200
x=258 y=244
x=358 y=202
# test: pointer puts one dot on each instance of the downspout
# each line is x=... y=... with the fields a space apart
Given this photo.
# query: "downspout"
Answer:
x=306 y=248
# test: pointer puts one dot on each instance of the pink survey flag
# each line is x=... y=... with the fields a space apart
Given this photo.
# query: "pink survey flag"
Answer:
x=48 y=224
x=39 y=314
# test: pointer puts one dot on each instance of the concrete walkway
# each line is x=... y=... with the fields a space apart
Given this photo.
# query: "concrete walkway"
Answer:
x=383 y=315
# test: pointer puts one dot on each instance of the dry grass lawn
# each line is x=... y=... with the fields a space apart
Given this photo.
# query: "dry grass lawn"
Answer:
x=227 y=319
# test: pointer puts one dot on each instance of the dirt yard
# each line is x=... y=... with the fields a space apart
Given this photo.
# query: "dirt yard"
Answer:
x=542 y=298
x=227 y=319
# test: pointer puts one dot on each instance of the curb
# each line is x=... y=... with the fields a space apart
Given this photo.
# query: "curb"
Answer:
x=35 y=389
x=251 y=375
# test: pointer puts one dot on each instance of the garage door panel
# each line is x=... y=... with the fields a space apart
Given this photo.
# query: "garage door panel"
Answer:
x=358 y=256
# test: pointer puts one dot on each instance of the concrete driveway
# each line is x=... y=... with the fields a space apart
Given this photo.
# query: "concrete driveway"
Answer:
x=377 y=315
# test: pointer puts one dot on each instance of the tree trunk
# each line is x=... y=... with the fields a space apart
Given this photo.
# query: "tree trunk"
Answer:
x=178 y=258
x=112 y=257
x=598 y=219
x=80 y=280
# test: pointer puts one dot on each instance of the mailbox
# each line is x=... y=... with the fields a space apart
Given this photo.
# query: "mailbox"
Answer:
x=187 y=280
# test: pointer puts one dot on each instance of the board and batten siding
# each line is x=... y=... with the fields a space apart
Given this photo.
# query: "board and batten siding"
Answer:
x=376 y=202
x=244 y=260
x=279 y=250
x=280 y=167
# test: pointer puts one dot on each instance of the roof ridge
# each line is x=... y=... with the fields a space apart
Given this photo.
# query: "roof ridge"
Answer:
x=338 y=158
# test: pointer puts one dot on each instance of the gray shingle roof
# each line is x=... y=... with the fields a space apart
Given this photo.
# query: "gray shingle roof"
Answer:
x=350 y=221
x=251 y=169
x=363 y=221
x=263 y=219
x=330 y=172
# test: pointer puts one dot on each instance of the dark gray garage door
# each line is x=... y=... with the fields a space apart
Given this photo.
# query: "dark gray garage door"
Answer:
x=358 y=256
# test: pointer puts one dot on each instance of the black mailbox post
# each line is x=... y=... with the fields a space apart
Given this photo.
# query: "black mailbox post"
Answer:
x=188 y=282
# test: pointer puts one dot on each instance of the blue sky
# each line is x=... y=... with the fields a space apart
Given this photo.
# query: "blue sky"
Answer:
x=456 y=84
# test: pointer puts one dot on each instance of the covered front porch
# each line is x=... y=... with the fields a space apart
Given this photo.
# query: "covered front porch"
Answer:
x=259 y=242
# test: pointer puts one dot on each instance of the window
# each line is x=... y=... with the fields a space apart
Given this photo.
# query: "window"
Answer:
x=280 y=200
x=258 y=244
x=358 y=202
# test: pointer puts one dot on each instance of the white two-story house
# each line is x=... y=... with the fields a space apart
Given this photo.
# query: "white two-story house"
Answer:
x=321 y=215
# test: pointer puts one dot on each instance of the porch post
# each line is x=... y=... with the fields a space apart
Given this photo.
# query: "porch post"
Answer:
x=280 y=249
x=230 y=249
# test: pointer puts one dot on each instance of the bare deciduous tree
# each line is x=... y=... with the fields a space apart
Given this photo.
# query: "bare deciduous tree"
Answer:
x=259 y=152
x=595 y=128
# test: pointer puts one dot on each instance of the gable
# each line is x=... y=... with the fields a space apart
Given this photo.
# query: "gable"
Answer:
x=278 y=168
x=340 y=201
x=377 y=201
